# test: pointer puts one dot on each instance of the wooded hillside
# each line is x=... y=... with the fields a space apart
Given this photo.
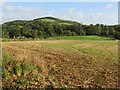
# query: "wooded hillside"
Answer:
x=49 y=26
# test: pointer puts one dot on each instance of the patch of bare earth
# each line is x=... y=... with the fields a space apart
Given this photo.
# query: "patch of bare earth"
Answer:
x=62 y=68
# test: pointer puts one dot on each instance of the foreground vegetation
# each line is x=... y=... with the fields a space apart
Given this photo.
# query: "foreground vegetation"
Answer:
x=61 y=64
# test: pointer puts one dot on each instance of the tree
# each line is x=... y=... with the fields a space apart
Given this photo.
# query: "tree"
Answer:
x=111 y=30
x=50 y=30
x=97 y=29
x=82 y=33
x=117 y=35
x=34 y=34
x=67 y=33
x=105 y=31
x=73 y=33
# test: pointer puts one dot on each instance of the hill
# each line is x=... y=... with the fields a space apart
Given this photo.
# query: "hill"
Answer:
x=46 y=27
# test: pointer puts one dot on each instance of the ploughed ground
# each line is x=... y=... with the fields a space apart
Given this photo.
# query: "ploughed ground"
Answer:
x=61 y=67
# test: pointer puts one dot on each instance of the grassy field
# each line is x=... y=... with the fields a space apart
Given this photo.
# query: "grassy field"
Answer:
x=80 y=38
x=62 y=38
x=61 y=64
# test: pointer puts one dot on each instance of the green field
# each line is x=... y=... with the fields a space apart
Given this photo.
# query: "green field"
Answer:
x=80 y=38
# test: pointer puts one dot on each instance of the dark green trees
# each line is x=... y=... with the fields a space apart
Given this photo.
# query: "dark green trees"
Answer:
x=42 y=28
x=117 y=35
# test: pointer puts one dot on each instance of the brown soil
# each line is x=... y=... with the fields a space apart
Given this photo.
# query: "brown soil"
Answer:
x=64 y=68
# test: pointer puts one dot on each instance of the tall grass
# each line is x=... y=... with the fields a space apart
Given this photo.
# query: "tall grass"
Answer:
x=18 y=74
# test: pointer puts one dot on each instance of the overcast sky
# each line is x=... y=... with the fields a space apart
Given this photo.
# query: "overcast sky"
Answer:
x=85 y=12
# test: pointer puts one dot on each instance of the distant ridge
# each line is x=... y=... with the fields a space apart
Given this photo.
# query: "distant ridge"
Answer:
x=46 y=19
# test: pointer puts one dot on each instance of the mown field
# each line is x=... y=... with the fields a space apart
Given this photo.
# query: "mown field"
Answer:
x=80 y=38
x=61 y=64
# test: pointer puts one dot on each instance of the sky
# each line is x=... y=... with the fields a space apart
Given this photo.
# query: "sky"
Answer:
x=83 y=12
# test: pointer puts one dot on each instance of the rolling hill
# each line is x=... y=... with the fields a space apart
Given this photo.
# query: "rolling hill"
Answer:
x=46 y=27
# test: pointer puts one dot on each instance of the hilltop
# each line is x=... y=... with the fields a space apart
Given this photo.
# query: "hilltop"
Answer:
x=55 y=20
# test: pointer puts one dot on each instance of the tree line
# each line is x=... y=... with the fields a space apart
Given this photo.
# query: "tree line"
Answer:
x=40 y=28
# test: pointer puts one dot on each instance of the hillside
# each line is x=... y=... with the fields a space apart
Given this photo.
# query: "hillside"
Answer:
x=46 y=27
